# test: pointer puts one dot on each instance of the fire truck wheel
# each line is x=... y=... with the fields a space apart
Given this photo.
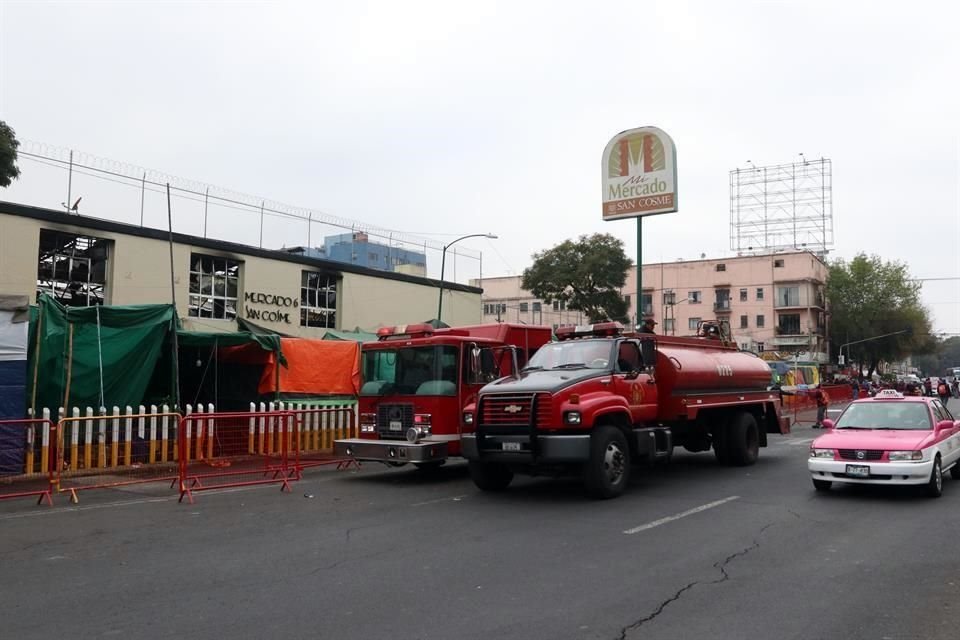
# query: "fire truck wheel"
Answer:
x=608 y=471
x=744 y=444
x=490 y=476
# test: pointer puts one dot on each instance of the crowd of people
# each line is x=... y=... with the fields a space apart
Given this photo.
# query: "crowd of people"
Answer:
x=927 y=387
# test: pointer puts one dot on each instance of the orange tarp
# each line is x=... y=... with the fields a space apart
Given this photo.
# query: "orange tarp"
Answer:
x=315 y=367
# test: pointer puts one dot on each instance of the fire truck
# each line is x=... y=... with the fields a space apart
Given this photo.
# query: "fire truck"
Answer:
x=598 y=400
x=416 y=379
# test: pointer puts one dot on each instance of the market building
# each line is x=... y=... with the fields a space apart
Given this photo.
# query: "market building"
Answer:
x=773 y=301
x=84 y=261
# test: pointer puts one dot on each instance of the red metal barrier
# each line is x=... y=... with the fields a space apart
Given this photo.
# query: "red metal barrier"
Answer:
x=27 y=457
x=319 y=427
x=213 y=450
x=110 y=451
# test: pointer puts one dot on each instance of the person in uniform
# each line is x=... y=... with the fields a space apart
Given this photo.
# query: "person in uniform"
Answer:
x=648 y=325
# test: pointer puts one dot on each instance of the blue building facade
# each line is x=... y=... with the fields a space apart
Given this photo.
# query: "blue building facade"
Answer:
x=356 y=248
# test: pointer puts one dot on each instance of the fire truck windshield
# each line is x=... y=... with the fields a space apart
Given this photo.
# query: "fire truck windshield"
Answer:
x=428 y=370
x=573 y=354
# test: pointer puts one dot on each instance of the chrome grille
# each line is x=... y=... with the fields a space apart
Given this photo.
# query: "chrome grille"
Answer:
x=868 y=454
x=387 y=413
x=514 y=409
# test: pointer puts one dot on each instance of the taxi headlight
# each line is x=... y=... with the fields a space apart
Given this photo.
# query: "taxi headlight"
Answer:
x=906 y=456
x=821 y=453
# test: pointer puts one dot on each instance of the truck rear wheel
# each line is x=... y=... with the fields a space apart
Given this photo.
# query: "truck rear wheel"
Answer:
x=743 y=445
x=608 y=471
x=721 y=442
x=490 y=476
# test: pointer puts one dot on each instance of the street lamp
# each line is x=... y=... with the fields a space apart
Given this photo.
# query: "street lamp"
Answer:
x=443 y=264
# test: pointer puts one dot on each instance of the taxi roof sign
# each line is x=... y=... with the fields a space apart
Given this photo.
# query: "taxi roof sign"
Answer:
x=889 y=394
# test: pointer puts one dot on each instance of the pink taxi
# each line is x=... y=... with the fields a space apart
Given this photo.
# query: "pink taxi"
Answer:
x=888 y=439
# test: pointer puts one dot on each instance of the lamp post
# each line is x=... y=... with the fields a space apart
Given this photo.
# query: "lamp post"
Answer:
x=443 y=264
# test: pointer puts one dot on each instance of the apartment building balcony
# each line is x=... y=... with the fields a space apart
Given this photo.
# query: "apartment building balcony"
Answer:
x=721 y=306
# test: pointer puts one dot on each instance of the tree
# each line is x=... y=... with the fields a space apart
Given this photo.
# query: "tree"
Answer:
x=946 y=355
x=869 y=297
x=8 y=155
x=587 y=275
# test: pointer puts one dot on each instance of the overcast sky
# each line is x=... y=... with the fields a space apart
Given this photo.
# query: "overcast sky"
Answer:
x=456 y=117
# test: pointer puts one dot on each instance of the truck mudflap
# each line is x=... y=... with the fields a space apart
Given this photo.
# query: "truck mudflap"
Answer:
x=390 y=450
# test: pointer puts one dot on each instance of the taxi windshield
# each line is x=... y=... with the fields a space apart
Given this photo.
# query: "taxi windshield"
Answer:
x=886 y=414
x=573 y=354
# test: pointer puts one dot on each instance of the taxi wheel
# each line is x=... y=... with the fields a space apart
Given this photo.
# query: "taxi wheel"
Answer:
x=822 y=485
x=935 y=486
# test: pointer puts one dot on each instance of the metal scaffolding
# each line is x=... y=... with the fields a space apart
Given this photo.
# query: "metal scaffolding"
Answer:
x=783 y=206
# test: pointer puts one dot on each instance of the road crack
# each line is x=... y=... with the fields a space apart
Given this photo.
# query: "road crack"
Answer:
x=721 y=566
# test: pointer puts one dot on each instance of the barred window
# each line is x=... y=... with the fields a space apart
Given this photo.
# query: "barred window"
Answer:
x=72 y=268
x=318 y=300
x=214 y=283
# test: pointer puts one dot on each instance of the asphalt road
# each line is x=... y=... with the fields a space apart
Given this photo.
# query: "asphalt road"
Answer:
x=692 y=551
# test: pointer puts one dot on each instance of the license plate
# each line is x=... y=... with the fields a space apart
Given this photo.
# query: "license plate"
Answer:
x=858 y=470
x=396 y=425
x=511 y=446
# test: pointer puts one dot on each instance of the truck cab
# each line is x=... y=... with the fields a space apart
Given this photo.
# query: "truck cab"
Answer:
x=415 y=379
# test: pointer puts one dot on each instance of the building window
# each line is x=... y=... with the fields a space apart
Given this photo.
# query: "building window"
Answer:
x=694 y=297
x=373 y=257
x=760 y=347
x=214 y=282
x=556 y=305
x=760 y=322
x=646 y=302
x=789 y=324
x=318 y=300
x=537 y=307
x=487 y=309
x=778 y=264
x=669 y=297
x=759 y=293
x=743 y=295
x=627 y=299
x=744 y=322
x=788 y=296
x=693 y=323
x=721 y=267
x=72 y=268
x=668 y=325
x=524 y=307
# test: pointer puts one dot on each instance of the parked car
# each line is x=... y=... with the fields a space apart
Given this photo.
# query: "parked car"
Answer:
x=890 y=439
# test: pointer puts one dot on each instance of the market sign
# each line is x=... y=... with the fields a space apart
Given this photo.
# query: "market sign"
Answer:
x=639 y=174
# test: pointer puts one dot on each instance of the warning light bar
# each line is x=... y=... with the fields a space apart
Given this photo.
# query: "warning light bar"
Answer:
x=598 y=330
x=405 y=331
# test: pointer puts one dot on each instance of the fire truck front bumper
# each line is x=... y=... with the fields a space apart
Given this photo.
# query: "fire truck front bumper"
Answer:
x=522 y=449
x=390 y=450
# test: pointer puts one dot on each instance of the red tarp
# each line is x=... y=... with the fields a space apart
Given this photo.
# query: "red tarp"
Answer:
x=319 y=367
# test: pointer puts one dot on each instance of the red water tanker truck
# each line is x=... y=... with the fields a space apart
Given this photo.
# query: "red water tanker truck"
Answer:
x=598 y=400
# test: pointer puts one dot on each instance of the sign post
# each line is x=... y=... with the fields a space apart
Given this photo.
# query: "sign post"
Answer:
x=639 y=169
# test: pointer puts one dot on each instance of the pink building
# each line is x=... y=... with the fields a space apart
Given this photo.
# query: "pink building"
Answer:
x=774 y=301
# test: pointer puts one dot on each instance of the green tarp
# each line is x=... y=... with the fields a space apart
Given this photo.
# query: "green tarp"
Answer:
x=358 y=336
x=130 y=345
x=127 y=341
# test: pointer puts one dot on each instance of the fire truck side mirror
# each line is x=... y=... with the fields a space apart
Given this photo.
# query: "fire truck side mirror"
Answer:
x=475 y=366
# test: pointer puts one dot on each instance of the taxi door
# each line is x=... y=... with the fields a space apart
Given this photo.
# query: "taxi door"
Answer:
x=949 y=438
x=635 y=383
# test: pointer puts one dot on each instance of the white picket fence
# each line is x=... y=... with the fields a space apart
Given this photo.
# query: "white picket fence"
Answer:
x=92 y=438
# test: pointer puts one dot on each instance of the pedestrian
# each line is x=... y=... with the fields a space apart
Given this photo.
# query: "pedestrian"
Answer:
x=823 y=401
x=648 y=325
x=956 y=387
x=943 y=391
x=927 y=387
x=855 y=387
